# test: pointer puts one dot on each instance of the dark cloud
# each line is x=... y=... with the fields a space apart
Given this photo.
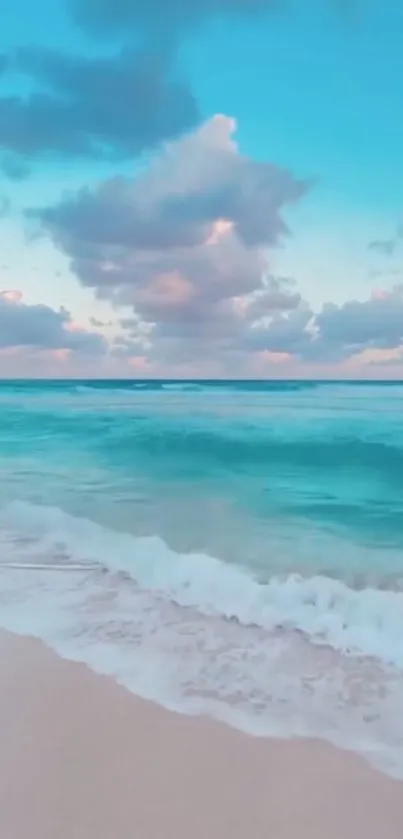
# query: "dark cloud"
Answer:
x=167 y=21
x=107 y=107
x=158 y=19
x=41 y=327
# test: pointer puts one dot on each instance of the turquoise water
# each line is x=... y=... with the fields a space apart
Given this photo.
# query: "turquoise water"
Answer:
x=234 y=548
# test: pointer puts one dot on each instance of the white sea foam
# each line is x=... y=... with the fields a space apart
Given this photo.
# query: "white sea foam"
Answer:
x=247 y=671
x=367 y=621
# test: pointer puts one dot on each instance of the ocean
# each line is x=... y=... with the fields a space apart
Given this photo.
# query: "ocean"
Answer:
x=227 y=548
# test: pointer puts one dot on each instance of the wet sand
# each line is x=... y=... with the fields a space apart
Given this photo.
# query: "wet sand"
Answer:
x=81 y=758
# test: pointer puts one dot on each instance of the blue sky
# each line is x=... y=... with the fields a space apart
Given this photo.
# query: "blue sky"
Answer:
x=208 y=196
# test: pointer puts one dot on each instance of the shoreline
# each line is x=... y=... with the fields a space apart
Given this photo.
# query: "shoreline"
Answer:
x=82 y=758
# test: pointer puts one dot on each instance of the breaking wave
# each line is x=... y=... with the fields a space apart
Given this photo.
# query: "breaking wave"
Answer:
x=366 y=621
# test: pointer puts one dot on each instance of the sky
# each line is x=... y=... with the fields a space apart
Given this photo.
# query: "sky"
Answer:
x=201 y=190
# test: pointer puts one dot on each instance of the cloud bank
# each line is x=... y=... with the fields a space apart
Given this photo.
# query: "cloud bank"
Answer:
x=40 y=326
x=186 y=245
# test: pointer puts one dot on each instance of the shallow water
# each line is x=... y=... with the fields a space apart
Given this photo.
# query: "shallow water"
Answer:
x=233 y=548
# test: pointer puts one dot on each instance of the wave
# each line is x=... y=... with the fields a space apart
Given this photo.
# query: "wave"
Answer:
x=187 y=385
x=82 y=385
x=254 y=386
x=94 y=388
x=183 y=387
x=237 y=445
x=366 y=622
x=186 y=443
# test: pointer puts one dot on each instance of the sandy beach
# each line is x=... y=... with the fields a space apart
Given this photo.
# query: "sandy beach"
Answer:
x=81 y=758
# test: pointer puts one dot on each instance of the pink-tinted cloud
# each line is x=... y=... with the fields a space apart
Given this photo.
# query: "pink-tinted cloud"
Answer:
x=62 y=355
x=39 y=327
x=185 y=243
x=12 y=296
x=11 y=352
x=200 y=187
x=140 y=364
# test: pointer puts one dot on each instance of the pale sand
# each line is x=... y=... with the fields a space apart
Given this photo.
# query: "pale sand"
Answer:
x=81 y=757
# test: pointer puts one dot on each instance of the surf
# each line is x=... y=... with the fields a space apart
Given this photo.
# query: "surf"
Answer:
x=366 y=621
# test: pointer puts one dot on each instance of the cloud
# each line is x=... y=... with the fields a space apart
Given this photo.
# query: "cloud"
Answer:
x=278 y=295
x=112 y=106
x=100 y=323
x=386 y=247
x=390 y=272
x=198 y=181
x=39 y=327
x=363 y=330
x=185 y=243
x=285 y=332
x=157 y=20
x=376 y=323
x=378 y=358
x=104 y=107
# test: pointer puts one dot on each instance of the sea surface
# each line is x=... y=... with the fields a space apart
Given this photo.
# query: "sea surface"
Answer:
x=229 y=548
